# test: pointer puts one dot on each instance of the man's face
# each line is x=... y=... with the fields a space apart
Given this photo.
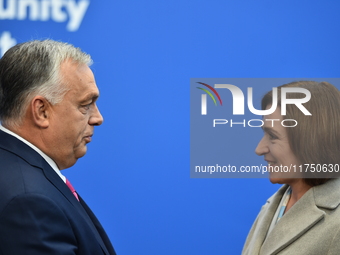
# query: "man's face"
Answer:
x=72 y=120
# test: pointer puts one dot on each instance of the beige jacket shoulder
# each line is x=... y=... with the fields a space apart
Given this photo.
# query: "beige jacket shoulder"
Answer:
x=310 y=227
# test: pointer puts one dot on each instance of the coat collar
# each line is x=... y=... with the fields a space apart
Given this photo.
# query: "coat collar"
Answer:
x=301 y=217
x=14 y=145
x=328 y=195
x=263 y=222
x=22 y=150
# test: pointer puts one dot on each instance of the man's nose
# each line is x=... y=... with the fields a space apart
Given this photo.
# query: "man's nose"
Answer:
x=96 y=118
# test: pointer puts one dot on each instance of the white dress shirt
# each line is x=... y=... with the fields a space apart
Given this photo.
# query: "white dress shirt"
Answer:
x=47 y=158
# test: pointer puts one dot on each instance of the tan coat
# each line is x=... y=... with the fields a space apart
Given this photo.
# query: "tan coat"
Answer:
x=310 y=227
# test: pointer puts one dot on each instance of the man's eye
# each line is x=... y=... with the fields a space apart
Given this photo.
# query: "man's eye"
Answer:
x=87 y=106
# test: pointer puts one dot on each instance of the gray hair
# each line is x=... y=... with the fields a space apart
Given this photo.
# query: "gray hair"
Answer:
x=33 y=68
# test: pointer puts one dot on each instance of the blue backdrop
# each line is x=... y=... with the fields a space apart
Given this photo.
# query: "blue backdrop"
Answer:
x=136 y=174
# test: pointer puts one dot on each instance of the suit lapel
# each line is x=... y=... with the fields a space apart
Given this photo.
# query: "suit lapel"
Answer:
x=296 y=222
x=61 y=186
x=14 y=145
x=106 y=242
x=303 y=216
x=260 y=228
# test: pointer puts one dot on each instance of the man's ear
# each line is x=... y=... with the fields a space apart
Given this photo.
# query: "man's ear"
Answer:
x=41 y=110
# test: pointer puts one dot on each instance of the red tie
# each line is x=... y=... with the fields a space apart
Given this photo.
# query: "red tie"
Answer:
x=69 y=185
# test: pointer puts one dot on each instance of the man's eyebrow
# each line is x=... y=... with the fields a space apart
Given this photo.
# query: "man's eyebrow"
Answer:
x=91 y=96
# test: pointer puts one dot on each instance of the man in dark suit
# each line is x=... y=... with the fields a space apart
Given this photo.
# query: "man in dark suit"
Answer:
x=48 y=112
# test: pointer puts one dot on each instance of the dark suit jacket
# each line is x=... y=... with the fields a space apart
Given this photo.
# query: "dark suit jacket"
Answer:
x=38 y=212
